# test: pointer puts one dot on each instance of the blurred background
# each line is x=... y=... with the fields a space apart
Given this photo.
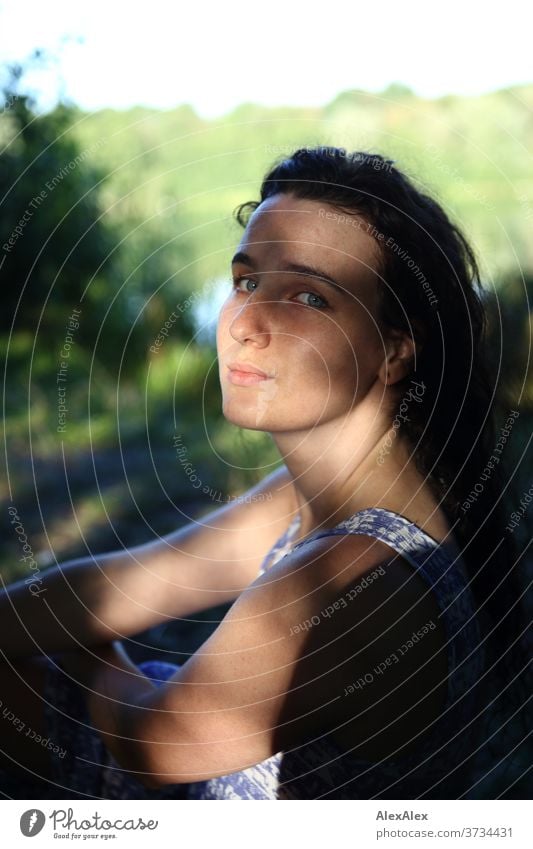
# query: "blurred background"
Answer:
x=127 y=138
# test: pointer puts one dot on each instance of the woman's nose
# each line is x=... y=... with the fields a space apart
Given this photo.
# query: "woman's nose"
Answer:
x=252 y=322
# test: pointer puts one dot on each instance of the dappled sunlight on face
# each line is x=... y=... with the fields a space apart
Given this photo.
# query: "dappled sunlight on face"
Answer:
x=303 y=313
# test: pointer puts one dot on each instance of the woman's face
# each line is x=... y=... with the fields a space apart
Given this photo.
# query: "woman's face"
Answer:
x=298 y=337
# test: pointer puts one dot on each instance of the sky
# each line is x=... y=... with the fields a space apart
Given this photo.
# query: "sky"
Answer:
x=216 y=55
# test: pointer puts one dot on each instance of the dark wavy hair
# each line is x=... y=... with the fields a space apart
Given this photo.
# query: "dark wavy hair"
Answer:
x=430 y=288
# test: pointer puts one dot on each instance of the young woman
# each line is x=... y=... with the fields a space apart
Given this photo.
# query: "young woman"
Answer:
x=369 y=603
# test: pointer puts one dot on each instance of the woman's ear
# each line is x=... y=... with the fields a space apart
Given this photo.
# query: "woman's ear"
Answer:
x=402 y=348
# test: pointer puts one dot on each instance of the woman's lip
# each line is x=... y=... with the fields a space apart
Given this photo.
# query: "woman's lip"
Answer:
x=247 y=368
x=245 y=378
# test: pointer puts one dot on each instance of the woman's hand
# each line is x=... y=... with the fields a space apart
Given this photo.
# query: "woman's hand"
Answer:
x=113 y=686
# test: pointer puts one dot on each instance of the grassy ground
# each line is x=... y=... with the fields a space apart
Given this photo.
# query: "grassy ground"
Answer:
x=101 y=502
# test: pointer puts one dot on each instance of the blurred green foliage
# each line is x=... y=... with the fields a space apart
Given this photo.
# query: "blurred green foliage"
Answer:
x=134 y=222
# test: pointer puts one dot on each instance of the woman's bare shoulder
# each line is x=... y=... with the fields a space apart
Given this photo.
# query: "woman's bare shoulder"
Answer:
x=246 y=527
x=284 y=662
x=356 y=606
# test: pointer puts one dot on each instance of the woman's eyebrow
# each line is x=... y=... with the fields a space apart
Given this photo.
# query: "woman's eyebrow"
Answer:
x=312 y=271
x=294 y=267
x=245 y=259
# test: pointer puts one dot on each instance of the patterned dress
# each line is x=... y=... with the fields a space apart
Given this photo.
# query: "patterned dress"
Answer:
x=438 y=766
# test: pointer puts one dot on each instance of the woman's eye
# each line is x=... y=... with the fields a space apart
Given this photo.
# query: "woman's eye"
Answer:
x=312 y=300
x=245 y=284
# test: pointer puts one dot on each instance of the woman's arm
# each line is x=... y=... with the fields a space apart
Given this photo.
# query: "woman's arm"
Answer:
x=278 y=669
x=99 y=599
x=111 y=683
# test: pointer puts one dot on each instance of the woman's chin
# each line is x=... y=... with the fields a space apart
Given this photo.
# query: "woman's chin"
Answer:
x=250 y=418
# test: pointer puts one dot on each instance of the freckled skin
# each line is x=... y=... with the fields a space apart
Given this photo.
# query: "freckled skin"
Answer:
x=322 y=360
x=327 y=403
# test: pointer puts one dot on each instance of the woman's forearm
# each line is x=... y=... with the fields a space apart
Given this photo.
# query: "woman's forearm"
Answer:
x=63 y=610
x=93 y=601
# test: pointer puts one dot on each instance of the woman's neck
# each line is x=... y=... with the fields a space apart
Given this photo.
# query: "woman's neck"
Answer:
x=340 y=467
